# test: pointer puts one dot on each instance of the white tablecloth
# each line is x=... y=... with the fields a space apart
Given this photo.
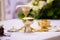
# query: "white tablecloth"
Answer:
x=17 y=23
x=32 y=36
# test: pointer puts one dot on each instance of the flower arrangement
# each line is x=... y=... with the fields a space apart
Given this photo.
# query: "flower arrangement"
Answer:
x=44 y=9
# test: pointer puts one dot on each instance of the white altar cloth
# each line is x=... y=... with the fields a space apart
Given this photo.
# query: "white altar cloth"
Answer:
x=17 y=23
x=32 y=36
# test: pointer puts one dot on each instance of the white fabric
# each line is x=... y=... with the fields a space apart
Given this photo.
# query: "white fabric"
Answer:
x=31 y=36
x=17 y=23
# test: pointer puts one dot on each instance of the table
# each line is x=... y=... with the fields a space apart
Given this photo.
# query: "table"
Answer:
x=32 y=36
x=17 y=23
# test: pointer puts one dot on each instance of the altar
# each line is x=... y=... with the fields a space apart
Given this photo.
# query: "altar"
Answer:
x=32 y=36
x=17 y=23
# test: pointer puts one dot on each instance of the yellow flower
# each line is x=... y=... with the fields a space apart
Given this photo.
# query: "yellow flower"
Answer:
x=35 y=8
x=48 y=1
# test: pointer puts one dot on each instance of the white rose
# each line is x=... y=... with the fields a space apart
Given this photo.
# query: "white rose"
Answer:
x=41 y=4
x=35 y=8
x=48 y=1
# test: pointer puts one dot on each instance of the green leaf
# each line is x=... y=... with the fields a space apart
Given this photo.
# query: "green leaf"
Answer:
x=50 y=13
x=20 y=15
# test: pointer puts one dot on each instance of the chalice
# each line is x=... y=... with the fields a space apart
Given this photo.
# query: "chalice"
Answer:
x=26 y=20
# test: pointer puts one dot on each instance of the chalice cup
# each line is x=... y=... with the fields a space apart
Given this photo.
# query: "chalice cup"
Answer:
x=26 y=10
x=27 y=20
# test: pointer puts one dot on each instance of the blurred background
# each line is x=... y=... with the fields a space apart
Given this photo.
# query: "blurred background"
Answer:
x=8 y=8
x=51 y=9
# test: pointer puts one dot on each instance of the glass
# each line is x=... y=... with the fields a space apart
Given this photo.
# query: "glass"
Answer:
x=26 y=20
x=26 y=10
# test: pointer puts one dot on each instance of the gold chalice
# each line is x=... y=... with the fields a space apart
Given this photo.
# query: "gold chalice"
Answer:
x=26 y=20
x=25 y=9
